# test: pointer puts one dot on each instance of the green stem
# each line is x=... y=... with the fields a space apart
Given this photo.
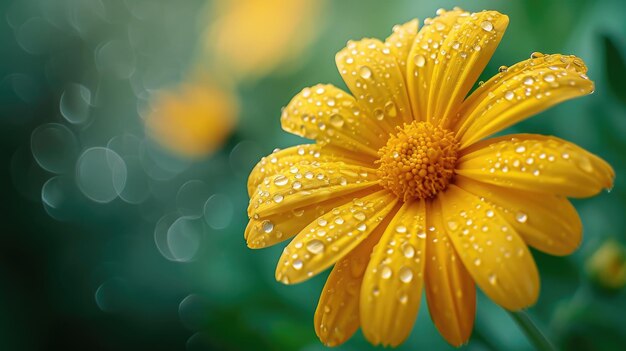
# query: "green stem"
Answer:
x=534 y=335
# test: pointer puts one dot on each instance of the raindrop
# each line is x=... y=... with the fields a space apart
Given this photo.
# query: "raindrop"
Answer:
x=549 y=78
x=401 y=229
x=359 y=216
x=406 y=274
x=101 y=174
x=268 y=226
x=420 y=60
x=486 y=26
x=297 y=264
x=521 y=217
x=336 y=120
x=385 y=272
x=408 y=250
x=218 y=211
x=365 y=72
x=509 y=95
x=281 y=180
x=278 y=198
x=529 y=81
x=315 y=246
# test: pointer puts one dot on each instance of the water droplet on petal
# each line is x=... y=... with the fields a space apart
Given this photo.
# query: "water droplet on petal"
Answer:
x=486 y=26
x=268 y=226
x=365 y=72
x=420 y=60
x=385 y=272
x=315 y=246
x=521 y=217
x=406 y=274
x=297 y=264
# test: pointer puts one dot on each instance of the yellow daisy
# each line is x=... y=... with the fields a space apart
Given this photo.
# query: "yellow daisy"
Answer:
x=400 y=194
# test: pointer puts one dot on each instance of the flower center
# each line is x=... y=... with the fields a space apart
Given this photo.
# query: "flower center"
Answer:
x=418 y=162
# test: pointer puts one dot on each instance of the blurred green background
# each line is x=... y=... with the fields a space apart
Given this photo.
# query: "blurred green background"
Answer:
x=110 y=241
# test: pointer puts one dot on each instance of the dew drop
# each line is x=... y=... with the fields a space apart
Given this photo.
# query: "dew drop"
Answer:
x=365 y=72
x=529 y=81
x=408 y=251
x=297 y=264
x=379 y=114
x=390 y=109
x=362 y=227
x=278 y=198
x=477 y=262
x=521 y=217
x=296 y=185
x=315 y=246
x=406 y=274
x=336 y=120
x=339 y=220
x=509 y=95
x=486 y=26
x=549 y=78
x=492 y=279
x=385 y=272
x=403 y=299
x=281 y=180
x=490 y=213
x=421 y=234
x=401 y=229
x=520 y=149
x=420 y=60
x=359 y=216
x=268 y=226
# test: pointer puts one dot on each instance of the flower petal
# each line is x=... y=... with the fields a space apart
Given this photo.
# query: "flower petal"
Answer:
x=536 y=163
x=332 y=236
x=266 y=231
x=401 y=41
x=459 y=61
x=426 y=47
x=374 y=77
x=525 y=89
x=282 y=160
x=331 y=116
x=392 y=286
x=305 y=184
x=337 y=314
x=491 y=250
x=450 y=290
x=546 y=222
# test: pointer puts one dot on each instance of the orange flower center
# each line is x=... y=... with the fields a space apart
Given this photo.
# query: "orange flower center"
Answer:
x=418 y=162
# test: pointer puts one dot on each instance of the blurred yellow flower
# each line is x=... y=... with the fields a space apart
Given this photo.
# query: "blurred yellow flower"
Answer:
x=607 y=265
x=253 y=37
x=400 y=194
x=193 y=119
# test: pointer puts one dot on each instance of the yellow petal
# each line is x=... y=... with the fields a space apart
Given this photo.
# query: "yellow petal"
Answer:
x=304 y=184
x=522 y=91
x=266 y=231
x=546 y=222
x=462 y=57
x=301 y=154
x=392 y=286
x=374 y=77
x=491 y=250
x=450 y=290
x=536 y=163
x=401 y=41
x=337 y=314
x=426 y=47
x=332 y=236
x=331 y=116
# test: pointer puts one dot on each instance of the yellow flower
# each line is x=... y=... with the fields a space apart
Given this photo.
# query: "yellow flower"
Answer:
x=193 y=119
x=253 y=37
x=607 y=265
x=400 y=194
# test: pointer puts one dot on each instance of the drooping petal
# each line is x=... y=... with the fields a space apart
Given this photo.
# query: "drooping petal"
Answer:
x=426 y=47
x=536 y=163
x=337 y=314
x=450 y=290
x=522 y=91
x=331 y=116
x=374 y=77
x=546 y=222
x=392 y=286
x=323 y=242
x=491 y=250
x=401 y=41
x=266 y=231
x=304 y=184
x=281 y=160
x=459 y=61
